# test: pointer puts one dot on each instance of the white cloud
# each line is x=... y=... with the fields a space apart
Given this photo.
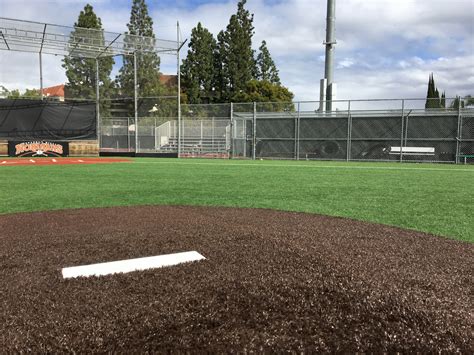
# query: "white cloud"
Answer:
x=345 y=63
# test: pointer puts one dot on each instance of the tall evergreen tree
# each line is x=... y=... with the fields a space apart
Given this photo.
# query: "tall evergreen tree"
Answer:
x=198 y=68
x=266 y=68
x=432 y=96
x=81 y=72
x=221 y=75
x=443 y=100
x=239 y=61
x=234 y=65
x=430 y=92
x=457 y=101
x=436 y=99
x=148 y=64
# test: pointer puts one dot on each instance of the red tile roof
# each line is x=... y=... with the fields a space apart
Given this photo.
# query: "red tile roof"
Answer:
x=54 y=91
x=169 y=80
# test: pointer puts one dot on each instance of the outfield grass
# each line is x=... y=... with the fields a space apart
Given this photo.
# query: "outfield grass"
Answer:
x=432 y=198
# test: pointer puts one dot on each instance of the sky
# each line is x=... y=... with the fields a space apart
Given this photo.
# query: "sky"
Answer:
x=385 y=49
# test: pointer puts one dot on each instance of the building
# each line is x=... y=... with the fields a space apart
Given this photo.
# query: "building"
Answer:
x=169 y=81
x=54 y=92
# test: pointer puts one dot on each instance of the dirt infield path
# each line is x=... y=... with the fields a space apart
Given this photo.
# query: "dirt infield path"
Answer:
x=272 y=281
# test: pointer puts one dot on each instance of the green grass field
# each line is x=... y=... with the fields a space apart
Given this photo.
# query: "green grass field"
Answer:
x=432 y=198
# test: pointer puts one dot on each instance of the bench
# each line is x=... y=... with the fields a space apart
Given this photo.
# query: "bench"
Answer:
x=412 y=150
x=465 y=156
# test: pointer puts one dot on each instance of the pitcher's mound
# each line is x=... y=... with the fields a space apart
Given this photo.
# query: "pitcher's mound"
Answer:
x=271 y=281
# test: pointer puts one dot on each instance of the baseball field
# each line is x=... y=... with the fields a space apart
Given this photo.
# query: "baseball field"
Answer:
x=300 y=255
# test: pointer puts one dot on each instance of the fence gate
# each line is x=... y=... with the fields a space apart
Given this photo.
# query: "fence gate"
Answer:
x=242 y=138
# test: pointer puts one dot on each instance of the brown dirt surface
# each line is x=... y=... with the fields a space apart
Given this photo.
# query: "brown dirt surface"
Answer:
x=272 y=281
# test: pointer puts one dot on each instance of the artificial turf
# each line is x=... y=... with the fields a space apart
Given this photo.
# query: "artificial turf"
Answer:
x=437 y=199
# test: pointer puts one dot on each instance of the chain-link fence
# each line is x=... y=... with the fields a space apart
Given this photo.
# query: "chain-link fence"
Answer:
x=120 y=133
x=375 y=130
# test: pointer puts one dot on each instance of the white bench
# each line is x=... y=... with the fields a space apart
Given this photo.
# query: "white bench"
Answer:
x=412 y=150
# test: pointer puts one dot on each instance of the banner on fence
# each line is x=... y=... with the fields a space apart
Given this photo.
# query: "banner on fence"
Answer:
x=38 y=149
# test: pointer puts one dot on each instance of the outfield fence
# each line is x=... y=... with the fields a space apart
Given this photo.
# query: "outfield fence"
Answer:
x=362 y=130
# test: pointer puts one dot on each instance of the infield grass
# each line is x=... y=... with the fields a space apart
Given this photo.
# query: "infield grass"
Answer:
x=437 y=199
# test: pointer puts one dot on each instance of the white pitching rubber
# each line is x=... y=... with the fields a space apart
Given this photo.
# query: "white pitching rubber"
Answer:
x=123 y=266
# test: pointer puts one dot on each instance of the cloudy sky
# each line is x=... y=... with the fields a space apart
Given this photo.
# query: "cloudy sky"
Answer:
x=385 y=48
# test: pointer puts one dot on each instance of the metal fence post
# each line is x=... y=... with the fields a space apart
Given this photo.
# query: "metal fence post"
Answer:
x=135 y=95
x=231 y=141
x=97 y=99
x=295 y=149
x=459 y=134
x=212 y=133
x=401 y=139
x=202 y=135
x=41 y=73
x=254 y=134
x=128 y=133
x=178 y=60
x=298 y=132
x=349 y=129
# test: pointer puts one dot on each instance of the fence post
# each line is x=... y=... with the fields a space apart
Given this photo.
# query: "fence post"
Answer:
x=298 y=132
x=128 y=134
x=41 y=70
x=459 y=133
x=401 y=139
x=97 y=103
x=231 y=138
x=295 y=138
x=178 y=62
x=254 y=133
x=349 y=129
x=135 y=96
x=212 y=133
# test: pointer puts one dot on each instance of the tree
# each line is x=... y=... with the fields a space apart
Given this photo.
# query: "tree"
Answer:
x=236 y=72
x=443 y=100
x=3 y=91
x=81 y=72
x=221 y=75
x=28 y=94
x=266 y=69
x=456 y=102
x=432 y=96
x=263 y=91
x=31 y=93
x=239 y=59
x=148 y=64
x=469 y=100
x=14 y=94
x=198 y=68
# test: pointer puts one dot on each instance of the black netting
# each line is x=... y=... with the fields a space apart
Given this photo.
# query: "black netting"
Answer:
x=441 y=127
x=276 y=127
x=43 y=119
x=376 y=127
x=323 y=127
x=323 y=149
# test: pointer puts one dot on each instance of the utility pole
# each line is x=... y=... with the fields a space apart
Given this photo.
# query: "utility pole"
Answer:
x=330 y=86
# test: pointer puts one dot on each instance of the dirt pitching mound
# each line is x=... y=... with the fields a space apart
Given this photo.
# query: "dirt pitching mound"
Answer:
x=272 y=281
